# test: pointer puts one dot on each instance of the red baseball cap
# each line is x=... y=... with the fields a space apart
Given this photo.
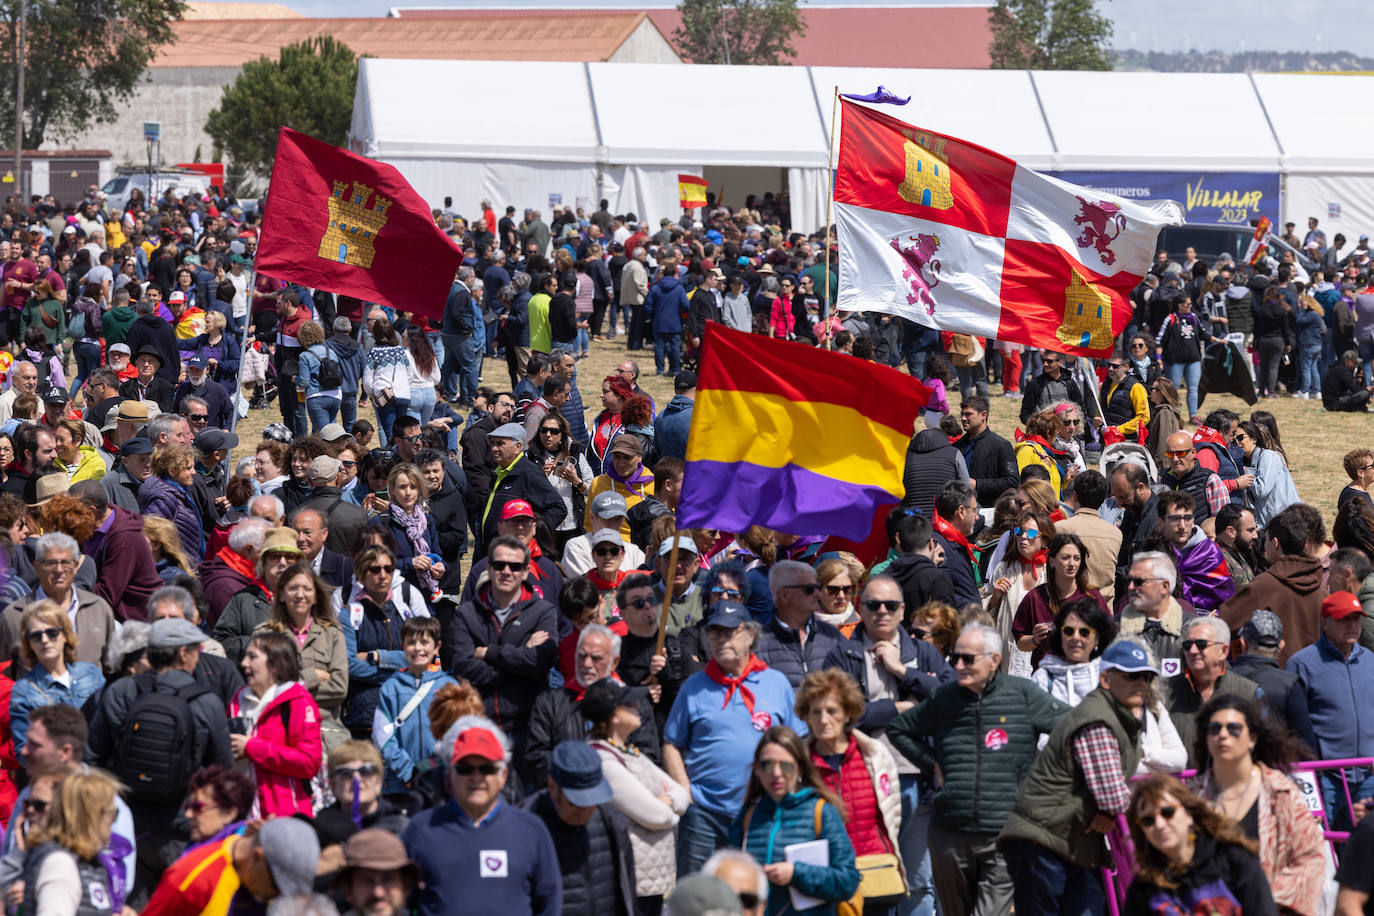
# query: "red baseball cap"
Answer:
x=1341 y=605
x=478 y=742
x=517 y=508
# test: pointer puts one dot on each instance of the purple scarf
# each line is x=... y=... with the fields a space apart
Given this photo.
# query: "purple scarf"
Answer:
x=416 y=524
x=637 y=481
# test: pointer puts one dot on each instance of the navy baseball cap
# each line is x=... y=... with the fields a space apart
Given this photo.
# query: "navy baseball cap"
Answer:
x=1126 y=656
x=728 y=614
x=576 y=769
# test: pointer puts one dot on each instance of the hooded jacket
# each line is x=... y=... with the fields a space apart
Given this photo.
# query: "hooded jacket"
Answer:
x=672 y=427
x=931 y=462
x=160 y=496
x=1222 y=878
x=115 y=324
x=1203 y=573
x=1293 y=588
x=664 y=307
x=152 y=331
x=409 y=746
x=127 y=574
x=773 y=826
x=285 y=749
x=921 y=580
x=991 y=463
x=350 y=357
x=1068 y=683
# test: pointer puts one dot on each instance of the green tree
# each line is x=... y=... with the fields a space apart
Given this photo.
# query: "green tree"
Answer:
x=1049 y=35
x=83 y=59
x=738 y=31
x=309 y=87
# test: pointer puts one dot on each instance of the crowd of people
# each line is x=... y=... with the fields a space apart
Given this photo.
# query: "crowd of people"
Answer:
x=452 y=653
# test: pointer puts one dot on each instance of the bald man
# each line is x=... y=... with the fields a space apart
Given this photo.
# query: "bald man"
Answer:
x=1186 y=475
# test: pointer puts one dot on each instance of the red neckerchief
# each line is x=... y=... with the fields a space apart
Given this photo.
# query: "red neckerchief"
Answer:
x=1036 y=563
x=603 y=585
x=1057 y=515
x=244 y=567
x=526 y=593
x=535 y=553
x=731 y=684
x=952 y=534
x=578 y=691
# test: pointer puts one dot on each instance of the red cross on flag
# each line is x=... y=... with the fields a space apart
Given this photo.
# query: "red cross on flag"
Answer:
x=956 y=237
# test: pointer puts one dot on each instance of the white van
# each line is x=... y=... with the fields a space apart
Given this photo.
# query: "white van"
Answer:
x=153 y=186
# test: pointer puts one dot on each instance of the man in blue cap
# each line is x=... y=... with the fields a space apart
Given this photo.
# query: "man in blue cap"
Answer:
x=715 y=723
x=1076 y=789
x=592 y=838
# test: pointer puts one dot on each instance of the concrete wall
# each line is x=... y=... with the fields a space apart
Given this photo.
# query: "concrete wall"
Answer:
x=646 y=45
x=180 y=97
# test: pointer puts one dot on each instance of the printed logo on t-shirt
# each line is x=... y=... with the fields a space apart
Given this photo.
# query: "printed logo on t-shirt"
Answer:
x=493 y=864
x=995 y=739
x=762 y=720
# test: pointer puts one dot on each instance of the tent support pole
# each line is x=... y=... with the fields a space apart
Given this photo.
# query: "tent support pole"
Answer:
x=829 y=203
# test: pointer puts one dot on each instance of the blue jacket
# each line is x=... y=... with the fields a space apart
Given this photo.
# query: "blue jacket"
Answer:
x=368 y=628
x=664 y=307
x=1310 y=328
x=412 y=743
x=774 y=826
x=169 y=499
x=38 y=688
x=672 y=427
x=350 y=356
x=518 y=320
x=1340 y=698
x=522 y=877
x=226 y=353
x=308 y=374
x=925 y=670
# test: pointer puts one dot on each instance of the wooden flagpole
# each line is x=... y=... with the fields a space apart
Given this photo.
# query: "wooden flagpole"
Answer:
x=667 y=600
x=829 y=204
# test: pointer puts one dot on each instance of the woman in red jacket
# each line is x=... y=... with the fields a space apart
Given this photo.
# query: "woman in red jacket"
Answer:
x=859 y=770
x=275 y=726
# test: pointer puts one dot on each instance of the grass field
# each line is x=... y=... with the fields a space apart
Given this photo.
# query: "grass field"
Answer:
x=1314 y=439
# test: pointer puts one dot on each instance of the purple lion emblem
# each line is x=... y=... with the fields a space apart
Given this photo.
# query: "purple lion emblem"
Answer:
x=918 y=251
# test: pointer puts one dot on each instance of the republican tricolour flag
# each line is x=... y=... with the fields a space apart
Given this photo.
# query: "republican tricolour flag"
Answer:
x=794 y=438
x=954 y=236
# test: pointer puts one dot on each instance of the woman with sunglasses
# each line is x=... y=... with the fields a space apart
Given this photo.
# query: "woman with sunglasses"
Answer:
x=355 y=778
x=372 y=620
x=64 y=872
x=1140 y=352
x=1019 y=572
x=787 y=803
x=936 y=623
x=565 y=465
x=1166 y=418
x=1066 y=579
x=274 y=726
x=48 y=651
x=839 y=579
x=1270 y=488
x=218 y=800
x=1243 y=762
x=1070 y=668
x=1190 y=858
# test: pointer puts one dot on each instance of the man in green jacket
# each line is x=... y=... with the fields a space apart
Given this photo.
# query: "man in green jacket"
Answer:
x=1076 y=790
x=984 y=730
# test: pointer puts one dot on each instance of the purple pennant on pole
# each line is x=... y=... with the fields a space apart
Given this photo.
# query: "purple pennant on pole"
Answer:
x=883 y=97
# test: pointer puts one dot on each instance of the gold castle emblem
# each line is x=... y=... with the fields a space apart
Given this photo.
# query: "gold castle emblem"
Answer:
x=927 y=171
x=353 y=225
x=1087 y=315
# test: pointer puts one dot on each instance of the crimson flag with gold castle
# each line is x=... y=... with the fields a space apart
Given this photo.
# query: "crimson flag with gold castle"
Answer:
x=340 y=222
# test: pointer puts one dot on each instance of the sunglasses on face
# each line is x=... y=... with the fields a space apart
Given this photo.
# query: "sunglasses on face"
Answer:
x=836 y=591
x=966 y=659
x=198 y=417
x=1183 y=454
x=198 y=807
x=1028 y=533
x=919 y=632
x=787 y=767
x=36 y=806
x=1138 y=581
x=51 y=634
x=361 y=770
x=1235 y=729
x=1083 y=632
x=504 y=565
x=640 y=604
x=1199 y=644
x=380 y=568
x=873 y=605
x=1165 y=814
x=609 y=551
x=748 y=901
x=486 y=769
x=1134 y=676
x=808 y=590
x=720 y=591
x=551 y=431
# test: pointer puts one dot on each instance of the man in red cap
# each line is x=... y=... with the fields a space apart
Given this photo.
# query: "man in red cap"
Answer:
x=517 y=521
x=1338 y=674
x=481 y=855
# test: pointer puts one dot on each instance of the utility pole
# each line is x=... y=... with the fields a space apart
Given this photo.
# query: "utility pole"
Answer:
x=19 y=102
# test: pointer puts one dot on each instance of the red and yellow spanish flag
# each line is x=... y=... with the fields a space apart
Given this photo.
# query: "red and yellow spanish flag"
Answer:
x=794 y=438
x=692 y=190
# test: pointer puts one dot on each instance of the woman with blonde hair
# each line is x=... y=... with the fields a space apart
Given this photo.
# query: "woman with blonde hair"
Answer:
x=322 y=400
x=63 y=874
x=78 y=460
x=840 y=578
x=936 y=623
x=413 y=529
x=166 y=546
x=47 y=648
x=1039 y=446
x=167 y=493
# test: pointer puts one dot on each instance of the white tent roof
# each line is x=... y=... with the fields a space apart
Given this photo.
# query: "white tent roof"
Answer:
x=764 y=116
x=993 y=108
x=1308 y=145
x=457 y=109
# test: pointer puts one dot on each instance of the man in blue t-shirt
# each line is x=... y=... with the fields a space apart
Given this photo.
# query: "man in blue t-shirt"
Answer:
x=715 y=723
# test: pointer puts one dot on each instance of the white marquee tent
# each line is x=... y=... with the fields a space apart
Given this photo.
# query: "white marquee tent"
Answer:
x=534 y=134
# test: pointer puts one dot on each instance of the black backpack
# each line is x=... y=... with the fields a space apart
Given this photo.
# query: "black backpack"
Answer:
x=331 y=373
x=156 y=744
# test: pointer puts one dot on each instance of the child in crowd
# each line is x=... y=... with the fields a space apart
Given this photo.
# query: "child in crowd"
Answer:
x=400 y=728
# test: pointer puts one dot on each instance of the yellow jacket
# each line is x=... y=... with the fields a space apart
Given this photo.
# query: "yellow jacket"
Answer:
x=632 y=497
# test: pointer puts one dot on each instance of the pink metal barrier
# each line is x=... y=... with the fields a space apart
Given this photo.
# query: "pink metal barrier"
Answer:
x=1306 y=774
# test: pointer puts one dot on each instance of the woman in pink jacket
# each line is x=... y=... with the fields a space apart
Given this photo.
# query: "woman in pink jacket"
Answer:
x=275 y=726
